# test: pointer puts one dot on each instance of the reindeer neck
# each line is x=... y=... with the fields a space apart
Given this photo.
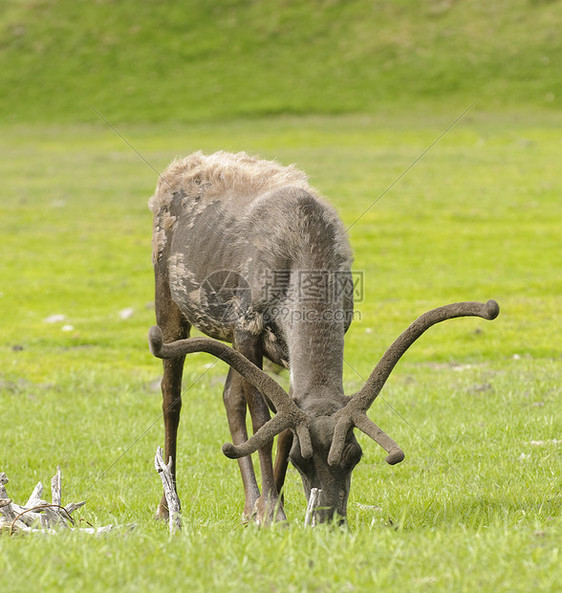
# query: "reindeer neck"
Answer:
x=316 y=361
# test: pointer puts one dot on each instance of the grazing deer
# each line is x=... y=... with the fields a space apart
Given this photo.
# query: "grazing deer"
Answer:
x=248 y=253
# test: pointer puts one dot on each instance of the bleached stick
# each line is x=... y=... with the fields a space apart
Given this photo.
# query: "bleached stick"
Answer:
x=72 y=506
x=311 y=507
x=27 y=516
x=172 y=500
x=35 y=501
x=3 y=480
x=6 y=510
x=56 y=485
x=35 y=498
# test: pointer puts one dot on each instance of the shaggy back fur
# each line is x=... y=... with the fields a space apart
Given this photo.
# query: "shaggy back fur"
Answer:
x=224 y=173
x=199 y=179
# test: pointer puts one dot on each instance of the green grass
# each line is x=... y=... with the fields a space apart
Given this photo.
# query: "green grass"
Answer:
x=186 y=61
x=475 y=504
x=359 y=92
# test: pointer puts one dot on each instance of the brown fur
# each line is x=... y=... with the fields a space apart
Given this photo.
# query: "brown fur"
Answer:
x=251 y=217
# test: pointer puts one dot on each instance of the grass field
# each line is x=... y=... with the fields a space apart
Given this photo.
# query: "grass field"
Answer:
x=475 y=405
x=435 y=130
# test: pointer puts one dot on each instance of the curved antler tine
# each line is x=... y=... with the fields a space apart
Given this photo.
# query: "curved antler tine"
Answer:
x=305 y=442
x=254 y=375
x=156 y=341
x=364 y=424
x=363 y=399
x=343 y=425
x=266 y=434
x=263 y=436
x=288 y=415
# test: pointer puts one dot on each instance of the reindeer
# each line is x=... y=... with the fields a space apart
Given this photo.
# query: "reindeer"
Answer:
x=236 y=242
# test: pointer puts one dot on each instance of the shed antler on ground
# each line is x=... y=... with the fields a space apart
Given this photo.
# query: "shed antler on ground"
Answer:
x=38 y=515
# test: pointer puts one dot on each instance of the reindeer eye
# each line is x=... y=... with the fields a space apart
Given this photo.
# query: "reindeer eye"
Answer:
x=298 y=460
x=351 y=455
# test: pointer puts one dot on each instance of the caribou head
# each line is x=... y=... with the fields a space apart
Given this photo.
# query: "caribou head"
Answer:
x=324 y=449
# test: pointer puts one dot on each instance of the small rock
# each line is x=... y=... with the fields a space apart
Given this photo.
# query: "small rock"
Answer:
x=481 y=388
x=57 y=318
x=126 y=313
x=368 y=507
x=154 y=386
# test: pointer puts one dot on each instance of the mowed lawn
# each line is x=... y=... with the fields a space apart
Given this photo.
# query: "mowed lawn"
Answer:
x=434 y=216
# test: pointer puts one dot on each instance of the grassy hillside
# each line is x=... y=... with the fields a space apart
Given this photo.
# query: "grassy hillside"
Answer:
x=170 y=60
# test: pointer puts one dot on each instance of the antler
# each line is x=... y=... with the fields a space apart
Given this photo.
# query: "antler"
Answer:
x=355 y=412
x=288 y=415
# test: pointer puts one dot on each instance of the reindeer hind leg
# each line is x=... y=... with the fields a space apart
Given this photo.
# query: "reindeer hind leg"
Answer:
x=174 y=326
x=235 y=404
x=268 y=507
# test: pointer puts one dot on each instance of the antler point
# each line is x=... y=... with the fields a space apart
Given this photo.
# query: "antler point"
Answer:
x=229 y=450
x=155 y=340
x=493 y=309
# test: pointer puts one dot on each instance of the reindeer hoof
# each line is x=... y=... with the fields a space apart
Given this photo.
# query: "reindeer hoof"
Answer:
x=162 y=513
x=268 y=511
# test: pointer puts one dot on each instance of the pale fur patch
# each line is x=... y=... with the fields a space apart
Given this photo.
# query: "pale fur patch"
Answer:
x=179 y=275
x=224 y=174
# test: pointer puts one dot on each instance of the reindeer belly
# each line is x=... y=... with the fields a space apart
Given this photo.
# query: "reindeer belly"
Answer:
x=205 y=301
x=219 y=304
